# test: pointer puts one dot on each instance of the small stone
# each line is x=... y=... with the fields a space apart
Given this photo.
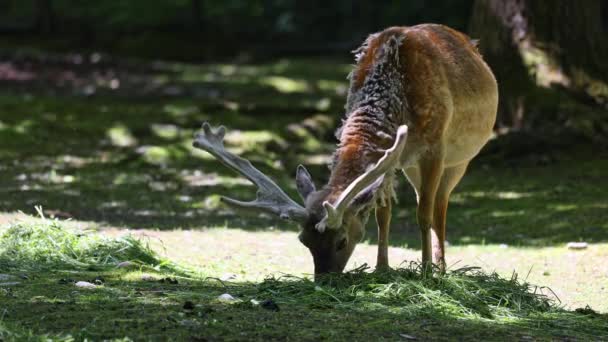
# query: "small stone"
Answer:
x=228 y=276
x=126 y=264
x=85 y=285
x=408 y=337
x=577 y=245
x=226 y=297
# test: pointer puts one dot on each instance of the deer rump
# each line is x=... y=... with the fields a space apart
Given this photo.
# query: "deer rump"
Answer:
x=421 y=100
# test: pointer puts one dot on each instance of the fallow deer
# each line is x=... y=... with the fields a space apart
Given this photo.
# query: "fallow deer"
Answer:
x=421 y=100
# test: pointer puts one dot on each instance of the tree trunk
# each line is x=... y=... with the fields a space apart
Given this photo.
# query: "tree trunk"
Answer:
x=530 y=43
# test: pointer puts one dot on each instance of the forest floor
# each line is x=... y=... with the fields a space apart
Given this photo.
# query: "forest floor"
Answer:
x=104 y=145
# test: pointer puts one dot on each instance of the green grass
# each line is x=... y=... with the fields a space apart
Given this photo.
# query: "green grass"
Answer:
x=119 y=163
x=150 y=299
x=38 y=247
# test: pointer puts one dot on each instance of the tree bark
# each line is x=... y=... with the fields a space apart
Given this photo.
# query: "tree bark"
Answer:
x=530 y=43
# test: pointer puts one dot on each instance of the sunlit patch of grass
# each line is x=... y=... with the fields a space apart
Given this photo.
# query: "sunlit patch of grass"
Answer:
x=162 y=155
x=246 y=139
x=284 y=84
x=562 y=207
x=165 y=131
x=121 y=136
x=48 y=245
x=179 y=110
x=499 y=213
x=496 y=194
x=23 y=126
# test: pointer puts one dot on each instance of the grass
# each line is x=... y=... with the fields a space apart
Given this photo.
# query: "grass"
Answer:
x=119 y=163
x=156 y=298
x=34 y=247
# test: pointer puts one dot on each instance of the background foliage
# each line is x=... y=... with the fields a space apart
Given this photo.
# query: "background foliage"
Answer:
x=257 y=26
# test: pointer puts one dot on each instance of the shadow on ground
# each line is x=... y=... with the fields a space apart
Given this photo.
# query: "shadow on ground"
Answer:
x=60 y=283
x=190 y=309
x=109 y=141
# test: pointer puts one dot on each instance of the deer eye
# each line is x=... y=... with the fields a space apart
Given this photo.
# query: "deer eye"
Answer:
x=341 y=244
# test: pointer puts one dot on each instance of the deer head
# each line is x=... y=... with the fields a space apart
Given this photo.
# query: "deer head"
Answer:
x=332 y=222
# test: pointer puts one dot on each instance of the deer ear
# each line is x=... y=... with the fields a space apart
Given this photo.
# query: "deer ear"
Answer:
x=304 y=182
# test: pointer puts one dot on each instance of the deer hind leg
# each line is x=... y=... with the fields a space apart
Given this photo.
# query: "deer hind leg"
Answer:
x=450 y=178
x=426 y=179
x=383 y=218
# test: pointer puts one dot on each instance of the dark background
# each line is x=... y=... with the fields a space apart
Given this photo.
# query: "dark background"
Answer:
x=203 y=29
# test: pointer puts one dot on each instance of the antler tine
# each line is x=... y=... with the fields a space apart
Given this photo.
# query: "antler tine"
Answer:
x=270 y=197
x=390 y=158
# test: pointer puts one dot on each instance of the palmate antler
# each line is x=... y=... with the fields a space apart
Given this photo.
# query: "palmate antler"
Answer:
x=270 y=197
x=335 y=211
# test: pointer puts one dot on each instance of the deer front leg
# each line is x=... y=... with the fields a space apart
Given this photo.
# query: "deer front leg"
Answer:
x=383 y=219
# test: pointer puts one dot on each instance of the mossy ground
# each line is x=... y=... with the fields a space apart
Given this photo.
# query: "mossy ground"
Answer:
x=110 y=149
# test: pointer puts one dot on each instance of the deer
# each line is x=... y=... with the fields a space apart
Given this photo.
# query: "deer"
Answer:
x=421 y=101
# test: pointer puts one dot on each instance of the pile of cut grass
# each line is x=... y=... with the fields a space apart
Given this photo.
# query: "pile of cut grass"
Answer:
x=463 y=302
x=46 y=244
x=468 y=291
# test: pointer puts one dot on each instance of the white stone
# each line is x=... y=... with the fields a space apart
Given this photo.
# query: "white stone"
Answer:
x=126 y=264
x=85 y=285
x=226 y=297
x=228 y=276
x=577 y=245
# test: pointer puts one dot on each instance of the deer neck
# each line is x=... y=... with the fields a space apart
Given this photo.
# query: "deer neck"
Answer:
x=375 y=105
x=366 y=133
